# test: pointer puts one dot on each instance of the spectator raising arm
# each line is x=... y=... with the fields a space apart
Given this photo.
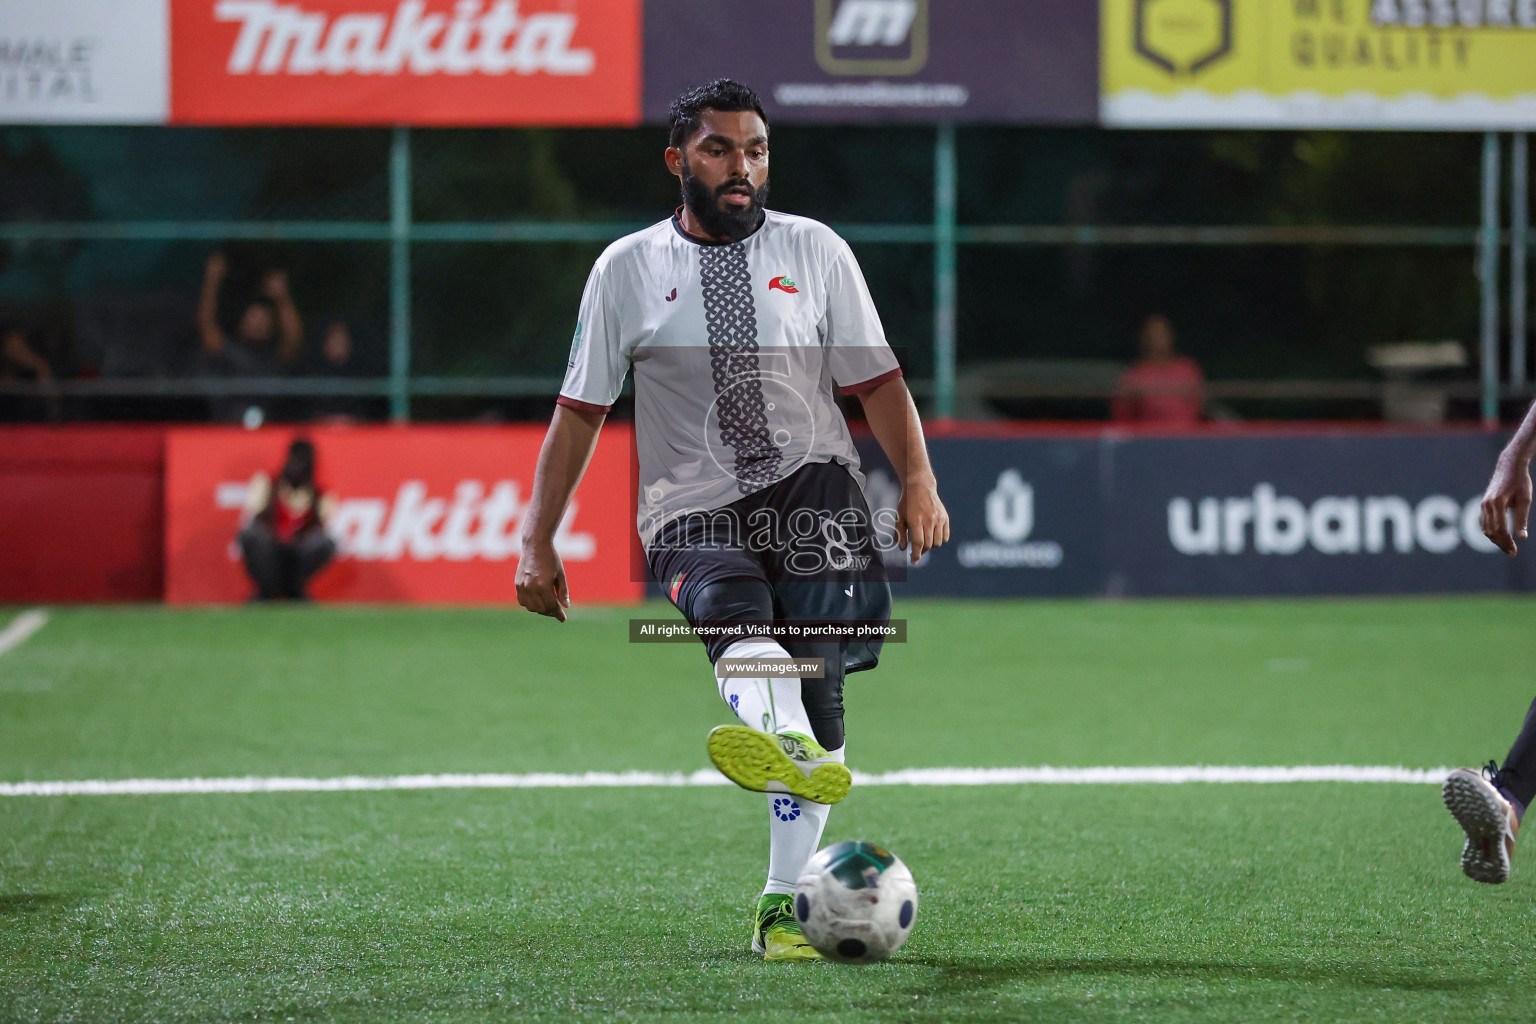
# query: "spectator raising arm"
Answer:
x=290 y=327
x=208 y=305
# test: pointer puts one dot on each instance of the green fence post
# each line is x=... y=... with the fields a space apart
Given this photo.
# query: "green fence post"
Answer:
x=944 y=290
x=400 y=275
x=1519 y=244
x=1488 y=272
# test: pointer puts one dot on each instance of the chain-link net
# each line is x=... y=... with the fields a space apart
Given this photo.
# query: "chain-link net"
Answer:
x=106 y=232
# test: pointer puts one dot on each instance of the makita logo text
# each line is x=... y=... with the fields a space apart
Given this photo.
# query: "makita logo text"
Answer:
x=1270 y=523
x=477 y=522
x=474 y=39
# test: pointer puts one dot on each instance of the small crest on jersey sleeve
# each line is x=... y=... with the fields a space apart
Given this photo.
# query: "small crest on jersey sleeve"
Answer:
x=783 y=284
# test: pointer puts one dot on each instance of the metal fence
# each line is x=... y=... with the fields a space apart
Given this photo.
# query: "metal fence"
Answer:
x=943 y=234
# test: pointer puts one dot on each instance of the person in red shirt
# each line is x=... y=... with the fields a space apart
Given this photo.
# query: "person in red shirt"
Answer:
x=1162 y=388
x=284 y=544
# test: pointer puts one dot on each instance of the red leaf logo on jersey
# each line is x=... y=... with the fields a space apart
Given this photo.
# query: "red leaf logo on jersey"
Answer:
x=783 y=284
x=677 y=585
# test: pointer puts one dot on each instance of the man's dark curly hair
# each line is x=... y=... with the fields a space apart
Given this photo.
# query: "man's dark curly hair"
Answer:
x=722 y=94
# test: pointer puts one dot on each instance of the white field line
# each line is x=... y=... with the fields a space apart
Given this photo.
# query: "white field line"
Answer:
x=1042 y=775
x=21 y=629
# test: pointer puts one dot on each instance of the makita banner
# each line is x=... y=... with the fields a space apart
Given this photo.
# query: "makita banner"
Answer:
x=882 y=60
x=1313 y=515
x=422 y=515
x=83 y=61
x=441 y=62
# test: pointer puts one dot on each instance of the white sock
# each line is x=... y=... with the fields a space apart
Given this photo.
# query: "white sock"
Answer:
x=769 y=703
x=793 y=842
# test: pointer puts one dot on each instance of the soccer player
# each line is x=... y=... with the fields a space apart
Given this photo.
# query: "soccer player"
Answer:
x=737 y=322
x=1489 y=804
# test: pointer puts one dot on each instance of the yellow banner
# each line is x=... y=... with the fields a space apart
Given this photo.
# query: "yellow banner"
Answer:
x=1446 y=64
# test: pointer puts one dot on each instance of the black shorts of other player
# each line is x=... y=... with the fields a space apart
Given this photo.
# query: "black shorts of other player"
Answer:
x=802 y=550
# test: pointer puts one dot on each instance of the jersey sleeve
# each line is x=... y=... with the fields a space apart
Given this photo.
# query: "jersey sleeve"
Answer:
x=857 y=353
x=595 y=372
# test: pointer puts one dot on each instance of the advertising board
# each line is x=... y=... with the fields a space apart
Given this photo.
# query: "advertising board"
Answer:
x=428 y=515
x=429 y=62
x=83 y=61
x=1429 y=64
x=839 y=61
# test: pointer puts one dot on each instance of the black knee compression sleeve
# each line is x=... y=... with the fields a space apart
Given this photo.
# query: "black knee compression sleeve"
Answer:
x=723 y=602
x=823 y=698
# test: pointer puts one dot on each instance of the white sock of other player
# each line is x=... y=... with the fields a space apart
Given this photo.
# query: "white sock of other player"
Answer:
x=794 y=834
x=769 y=703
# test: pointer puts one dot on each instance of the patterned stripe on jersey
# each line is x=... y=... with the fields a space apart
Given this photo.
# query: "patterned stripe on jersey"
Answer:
x=731 y=319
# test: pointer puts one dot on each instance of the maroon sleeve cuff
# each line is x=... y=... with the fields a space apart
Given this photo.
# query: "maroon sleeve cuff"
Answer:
x=872 y=383
x=580 y=406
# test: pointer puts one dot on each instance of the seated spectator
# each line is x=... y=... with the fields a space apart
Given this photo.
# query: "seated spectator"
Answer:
x=284 y=544
x=1162 y=388
x=337 y=356
x=336 y=349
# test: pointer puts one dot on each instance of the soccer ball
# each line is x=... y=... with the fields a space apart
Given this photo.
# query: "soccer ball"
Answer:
x=855 y=901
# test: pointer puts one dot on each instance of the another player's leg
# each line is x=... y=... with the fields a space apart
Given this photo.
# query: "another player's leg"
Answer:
x=1489 y=805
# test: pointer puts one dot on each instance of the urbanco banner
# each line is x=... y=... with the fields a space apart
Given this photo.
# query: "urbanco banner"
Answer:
x=1304 y=515
x=1209 y=516
x=1456 y=65
x=424 y=62
x=83 y=62
x=852 y=61
x=422 y=515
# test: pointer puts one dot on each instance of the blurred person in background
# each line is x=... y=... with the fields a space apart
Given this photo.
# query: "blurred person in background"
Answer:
x=268 y=336
x=336 y=348
x=284 y=544
x=336 y=356
x=1162 y=388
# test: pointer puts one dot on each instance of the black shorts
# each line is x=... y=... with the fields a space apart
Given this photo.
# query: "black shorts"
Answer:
x=809 y=540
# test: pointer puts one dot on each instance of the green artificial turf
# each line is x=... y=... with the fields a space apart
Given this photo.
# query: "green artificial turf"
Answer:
x=1192 y=902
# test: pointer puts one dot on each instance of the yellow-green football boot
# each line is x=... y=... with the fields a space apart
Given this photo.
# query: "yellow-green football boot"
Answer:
x=775 y=932
x=778 y=762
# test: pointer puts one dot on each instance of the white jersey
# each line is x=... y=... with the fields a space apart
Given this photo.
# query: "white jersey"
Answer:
x=735 y=349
